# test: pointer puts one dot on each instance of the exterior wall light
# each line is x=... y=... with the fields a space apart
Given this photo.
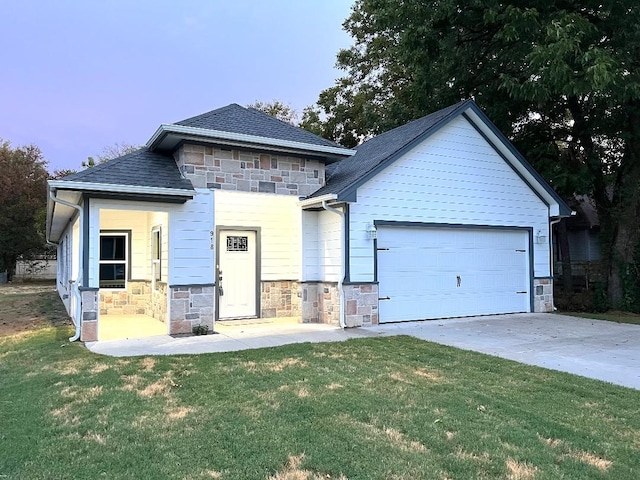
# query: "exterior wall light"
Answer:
x=372 y=233
x=541 y=237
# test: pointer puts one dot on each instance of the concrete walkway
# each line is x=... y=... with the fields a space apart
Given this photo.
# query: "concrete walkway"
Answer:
x=592 y=348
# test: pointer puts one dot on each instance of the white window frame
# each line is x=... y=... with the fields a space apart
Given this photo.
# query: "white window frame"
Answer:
x=156 y=256
x=126 y=261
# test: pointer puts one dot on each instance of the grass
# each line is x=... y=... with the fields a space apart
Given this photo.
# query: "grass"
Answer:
x=381 y=408
x=611 y=316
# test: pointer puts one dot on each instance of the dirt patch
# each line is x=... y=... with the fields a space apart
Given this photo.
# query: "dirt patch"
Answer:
x=292 y=471
x=520 y=471
x=591 y=459
x=25 y=307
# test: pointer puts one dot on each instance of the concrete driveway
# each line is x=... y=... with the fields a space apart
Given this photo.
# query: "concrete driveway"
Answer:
x=592 y=348
x=597 y=349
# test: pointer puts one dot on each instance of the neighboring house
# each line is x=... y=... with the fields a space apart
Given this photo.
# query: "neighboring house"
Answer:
x=583 y=237
x=42 y=267
x=229 y=215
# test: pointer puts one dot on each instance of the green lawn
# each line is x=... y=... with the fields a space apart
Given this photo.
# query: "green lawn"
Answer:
x=612 y=316
x=382 y=408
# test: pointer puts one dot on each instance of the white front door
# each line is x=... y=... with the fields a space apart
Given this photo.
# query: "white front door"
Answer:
x=237 y=286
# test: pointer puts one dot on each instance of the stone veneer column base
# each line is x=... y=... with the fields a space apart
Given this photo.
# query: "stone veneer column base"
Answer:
x=320 y=303
x=361 y=304
x=542 y=295
x=280 y=299
x=190 y=305
x=89 y=323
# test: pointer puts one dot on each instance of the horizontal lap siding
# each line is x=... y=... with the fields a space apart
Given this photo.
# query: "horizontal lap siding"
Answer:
x=190 y=253
x=454 y=176
x=280 y=222
x=310 y=246
x=322 y=250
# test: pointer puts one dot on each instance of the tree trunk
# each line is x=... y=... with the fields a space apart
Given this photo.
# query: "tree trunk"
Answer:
x=565 y=257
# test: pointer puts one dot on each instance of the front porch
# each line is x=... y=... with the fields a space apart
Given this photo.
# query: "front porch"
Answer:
x=115 y=327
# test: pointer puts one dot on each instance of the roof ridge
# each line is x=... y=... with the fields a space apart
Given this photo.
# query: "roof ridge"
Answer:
x=287 y=124
x=206 y=114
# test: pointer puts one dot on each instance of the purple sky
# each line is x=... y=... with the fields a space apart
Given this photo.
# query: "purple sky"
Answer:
x=78 y=76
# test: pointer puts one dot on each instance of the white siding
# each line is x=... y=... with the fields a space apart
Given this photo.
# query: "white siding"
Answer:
x=280 y=221
x=190 y=248
x=187 y=257
x=322 y=248
x=310 y=270
x=453 y=177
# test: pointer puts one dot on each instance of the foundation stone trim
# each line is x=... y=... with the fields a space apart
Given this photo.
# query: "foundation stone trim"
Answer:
x=190 y=305
x=542 y=295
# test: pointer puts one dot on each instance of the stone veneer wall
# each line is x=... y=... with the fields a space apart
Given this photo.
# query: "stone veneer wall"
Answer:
x=280 y=299
x=191 y=305
x=138 y=299
x=320 y=303
x=89 y=327
x=361 y=304
x=245 y=171
x=542 y=295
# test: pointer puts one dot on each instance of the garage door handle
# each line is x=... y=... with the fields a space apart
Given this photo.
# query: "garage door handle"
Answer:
x=458 y=280
x=384 y=298
x=523 y=292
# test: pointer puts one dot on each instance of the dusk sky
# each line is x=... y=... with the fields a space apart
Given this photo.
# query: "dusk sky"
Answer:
x=78 y=76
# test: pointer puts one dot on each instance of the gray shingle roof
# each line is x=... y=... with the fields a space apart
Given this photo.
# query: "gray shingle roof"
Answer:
x=140 y=168
x=382 y=149
x=249 y=121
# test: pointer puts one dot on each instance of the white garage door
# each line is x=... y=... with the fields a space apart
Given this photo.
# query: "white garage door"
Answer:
x=427 y=273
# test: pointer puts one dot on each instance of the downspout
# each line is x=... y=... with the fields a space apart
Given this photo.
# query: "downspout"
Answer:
x=342 y=260
x=76 y=286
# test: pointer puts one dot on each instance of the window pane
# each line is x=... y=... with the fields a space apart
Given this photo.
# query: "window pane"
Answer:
x=112 y=247
x=156 y=245
x=112 y=275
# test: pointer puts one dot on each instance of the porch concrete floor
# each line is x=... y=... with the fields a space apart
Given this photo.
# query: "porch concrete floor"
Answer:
x=120 y=327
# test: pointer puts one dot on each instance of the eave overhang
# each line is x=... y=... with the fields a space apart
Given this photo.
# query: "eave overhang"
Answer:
x=169 y=136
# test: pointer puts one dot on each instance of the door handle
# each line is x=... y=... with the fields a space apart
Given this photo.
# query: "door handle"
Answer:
x=220 y=289
x=458 y=280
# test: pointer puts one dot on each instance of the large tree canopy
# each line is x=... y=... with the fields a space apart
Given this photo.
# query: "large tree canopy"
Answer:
x=23 y=198
x=560 y=78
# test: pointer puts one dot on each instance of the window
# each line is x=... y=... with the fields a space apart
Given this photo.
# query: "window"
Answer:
x=113 y=260
x=237 y=244
x=156 y=254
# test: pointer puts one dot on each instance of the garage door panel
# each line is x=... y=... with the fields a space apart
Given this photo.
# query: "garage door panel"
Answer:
x=418 y=270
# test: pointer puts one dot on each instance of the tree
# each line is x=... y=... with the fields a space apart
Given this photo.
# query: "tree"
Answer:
x=23 y=199
x=560 y=78
x=278 y=109
x=109 y=153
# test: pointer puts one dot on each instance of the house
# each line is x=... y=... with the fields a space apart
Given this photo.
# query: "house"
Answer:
x=230 y=215
x=582 y=243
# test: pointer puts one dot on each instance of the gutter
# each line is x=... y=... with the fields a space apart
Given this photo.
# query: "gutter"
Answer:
x=109 y=187
x=342 y=260
x=76 y=285
x=309 y=202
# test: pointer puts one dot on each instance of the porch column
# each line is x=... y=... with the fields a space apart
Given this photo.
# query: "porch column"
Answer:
x=89 y=309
